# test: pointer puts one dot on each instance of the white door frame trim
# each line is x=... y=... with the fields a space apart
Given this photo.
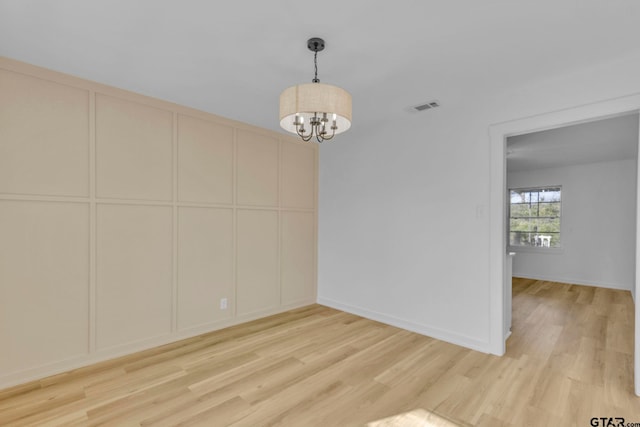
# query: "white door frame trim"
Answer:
x=497 y=242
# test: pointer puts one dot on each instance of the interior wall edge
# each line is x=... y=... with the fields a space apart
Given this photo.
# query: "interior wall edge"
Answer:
x=429 y=331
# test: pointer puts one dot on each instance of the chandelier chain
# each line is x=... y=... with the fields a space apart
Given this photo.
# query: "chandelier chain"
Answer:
x=315 y=63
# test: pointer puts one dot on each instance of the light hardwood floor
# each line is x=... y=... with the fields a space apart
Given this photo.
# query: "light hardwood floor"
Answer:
x=569 y=359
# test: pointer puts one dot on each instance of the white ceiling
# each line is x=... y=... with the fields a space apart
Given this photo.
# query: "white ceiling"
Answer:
x=604 y=140
x=233 y=58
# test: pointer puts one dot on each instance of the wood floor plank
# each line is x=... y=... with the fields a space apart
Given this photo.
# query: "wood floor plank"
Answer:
x=569 y=358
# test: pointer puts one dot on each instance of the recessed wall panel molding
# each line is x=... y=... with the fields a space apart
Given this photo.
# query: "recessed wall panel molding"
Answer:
x=133 y=150
x=298 y=165
x=205 y=161
x=44 y=283
x=205 y=266
x=134 y=273
x=298 y=253
x=257 y=169
x=44 y=137
x=128 y=222
x=257 y=264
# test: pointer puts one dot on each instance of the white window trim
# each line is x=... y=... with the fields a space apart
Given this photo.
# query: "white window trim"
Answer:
x=534 y=249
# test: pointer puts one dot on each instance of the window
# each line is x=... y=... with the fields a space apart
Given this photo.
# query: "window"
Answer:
x=534 y=217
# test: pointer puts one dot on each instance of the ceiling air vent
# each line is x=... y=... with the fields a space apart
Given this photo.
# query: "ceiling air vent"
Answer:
x=427 y=106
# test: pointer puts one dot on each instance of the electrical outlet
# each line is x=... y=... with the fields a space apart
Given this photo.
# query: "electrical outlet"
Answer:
x=223 y=303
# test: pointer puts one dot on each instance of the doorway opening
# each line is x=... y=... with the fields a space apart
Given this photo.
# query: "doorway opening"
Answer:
x=499 y=215
x=571 y=203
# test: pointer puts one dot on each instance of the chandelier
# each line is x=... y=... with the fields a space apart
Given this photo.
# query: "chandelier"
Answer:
x=315 y=110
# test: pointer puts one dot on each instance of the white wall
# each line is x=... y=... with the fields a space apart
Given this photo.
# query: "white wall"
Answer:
x=598 y=225
x=403 y=221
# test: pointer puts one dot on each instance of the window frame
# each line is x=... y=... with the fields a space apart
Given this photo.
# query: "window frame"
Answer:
x=537 y=249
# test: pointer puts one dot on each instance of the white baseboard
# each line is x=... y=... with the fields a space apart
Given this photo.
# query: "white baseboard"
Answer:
x=437 y=333
x=574 y=281
x=61 y=366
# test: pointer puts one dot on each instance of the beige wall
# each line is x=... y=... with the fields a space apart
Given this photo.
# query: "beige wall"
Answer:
x=124 y=221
